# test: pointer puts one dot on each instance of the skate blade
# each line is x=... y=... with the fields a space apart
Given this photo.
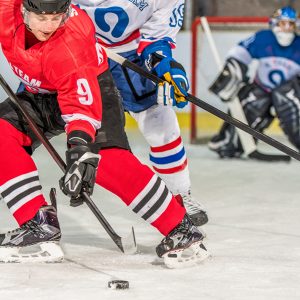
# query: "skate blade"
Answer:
x=49 y=252
x=184 y=258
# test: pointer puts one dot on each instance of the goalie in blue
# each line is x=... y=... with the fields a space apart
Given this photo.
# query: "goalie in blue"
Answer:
x=275 y=90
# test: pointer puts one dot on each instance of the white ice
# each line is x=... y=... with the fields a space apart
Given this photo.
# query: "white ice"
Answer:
x=253 y=235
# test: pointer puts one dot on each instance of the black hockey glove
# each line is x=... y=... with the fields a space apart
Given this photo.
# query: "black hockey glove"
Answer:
x=81 y=171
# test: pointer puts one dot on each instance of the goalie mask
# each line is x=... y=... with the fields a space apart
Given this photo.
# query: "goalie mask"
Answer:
x=35 y=13
x=284 y=23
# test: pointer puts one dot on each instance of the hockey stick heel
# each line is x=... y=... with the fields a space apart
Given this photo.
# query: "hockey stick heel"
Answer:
x=269 y=157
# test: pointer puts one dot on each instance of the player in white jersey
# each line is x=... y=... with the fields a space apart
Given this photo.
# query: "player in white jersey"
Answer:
x=275 y=86
x=144 y=32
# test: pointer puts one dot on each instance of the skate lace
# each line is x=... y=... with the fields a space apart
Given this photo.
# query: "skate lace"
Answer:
x=181 y=229
x=191 y=206
x=31 y=225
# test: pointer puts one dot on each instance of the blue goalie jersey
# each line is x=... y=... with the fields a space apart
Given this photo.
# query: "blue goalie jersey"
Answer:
x=276 y=64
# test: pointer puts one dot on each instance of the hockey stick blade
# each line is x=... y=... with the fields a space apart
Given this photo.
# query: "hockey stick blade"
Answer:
x=269 y=157
x=52 y=196
x=129 y=243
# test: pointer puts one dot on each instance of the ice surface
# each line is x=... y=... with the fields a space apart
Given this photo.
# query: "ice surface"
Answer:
x=253 y=235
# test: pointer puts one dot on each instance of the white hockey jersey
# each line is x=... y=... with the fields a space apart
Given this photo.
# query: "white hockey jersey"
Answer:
x=133 y=24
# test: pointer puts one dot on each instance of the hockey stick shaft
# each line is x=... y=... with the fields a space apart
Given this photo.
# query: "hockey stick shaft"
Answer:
x=40 y=135
x=204 y=105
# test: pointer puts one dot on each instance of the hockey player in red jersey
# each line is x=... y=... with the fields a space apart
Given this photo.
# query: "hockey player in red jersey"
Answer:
x=69 y=88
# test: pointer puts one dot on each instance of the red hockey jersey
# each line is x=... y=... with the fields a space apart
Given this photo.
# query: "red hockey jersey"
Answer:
x=67 y=64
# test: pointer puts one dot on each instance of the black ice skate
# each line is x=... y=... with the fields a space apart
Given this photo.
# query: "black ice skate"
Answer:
x=183 y=246
x=35 y=241
x=194 y=209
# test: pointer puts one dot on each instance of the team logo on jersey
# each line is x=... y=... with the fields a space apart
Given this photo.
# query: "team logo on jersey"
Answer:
x=276 y=77
x=177 y=16
x=102 y=20
x=32 y=82
x=140 y=4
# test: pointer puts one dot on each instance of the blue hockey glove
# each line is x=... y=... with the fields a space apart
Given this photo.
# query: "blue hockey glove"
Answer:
x=166 y=95
x=158 y=58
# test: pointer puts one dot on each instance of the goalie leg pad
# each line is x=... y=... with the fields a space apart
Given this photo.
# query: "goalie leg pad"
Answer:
x=286 y=101
x=256 y=104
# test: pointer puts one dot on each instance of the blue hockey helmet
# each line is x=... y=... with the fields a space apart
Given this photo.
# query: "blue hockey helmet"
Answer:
x=284 y=31
x=286 y=13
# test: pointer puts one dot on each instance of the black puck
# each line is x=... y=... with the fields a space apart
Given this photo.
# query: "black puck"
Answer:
x=118 y=284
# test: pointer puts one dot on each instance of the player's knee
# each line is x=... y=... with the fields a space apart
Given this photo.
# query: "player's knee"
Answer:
x=256 y=104
x=9 y=134
x=159 y=125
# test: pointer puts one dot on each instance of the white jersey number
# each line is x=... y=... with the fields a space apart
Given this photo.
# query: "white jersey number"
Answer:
x=84 y=92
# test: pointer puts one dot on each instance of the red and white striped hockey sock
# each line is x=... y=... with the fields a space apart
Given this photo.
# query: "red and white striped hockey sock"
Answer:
x=170 y=162
x=146 y=194
x=19 y=180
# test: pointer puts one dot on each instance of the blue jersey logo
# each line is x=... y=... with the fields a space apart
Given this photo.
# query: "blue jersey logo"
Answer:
x=102 y=14
x=140 y=4
x=177 y=16
x=276 y=77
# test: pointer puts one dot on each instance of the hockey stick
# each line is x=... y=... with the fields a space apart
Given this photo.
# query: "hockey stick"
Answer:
x=236 y=110
x=204 y=105
x=40 y=135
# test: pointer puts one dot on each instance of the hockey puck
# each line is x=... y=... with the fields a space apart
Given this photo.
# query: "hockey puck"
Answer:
x=118 y=284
